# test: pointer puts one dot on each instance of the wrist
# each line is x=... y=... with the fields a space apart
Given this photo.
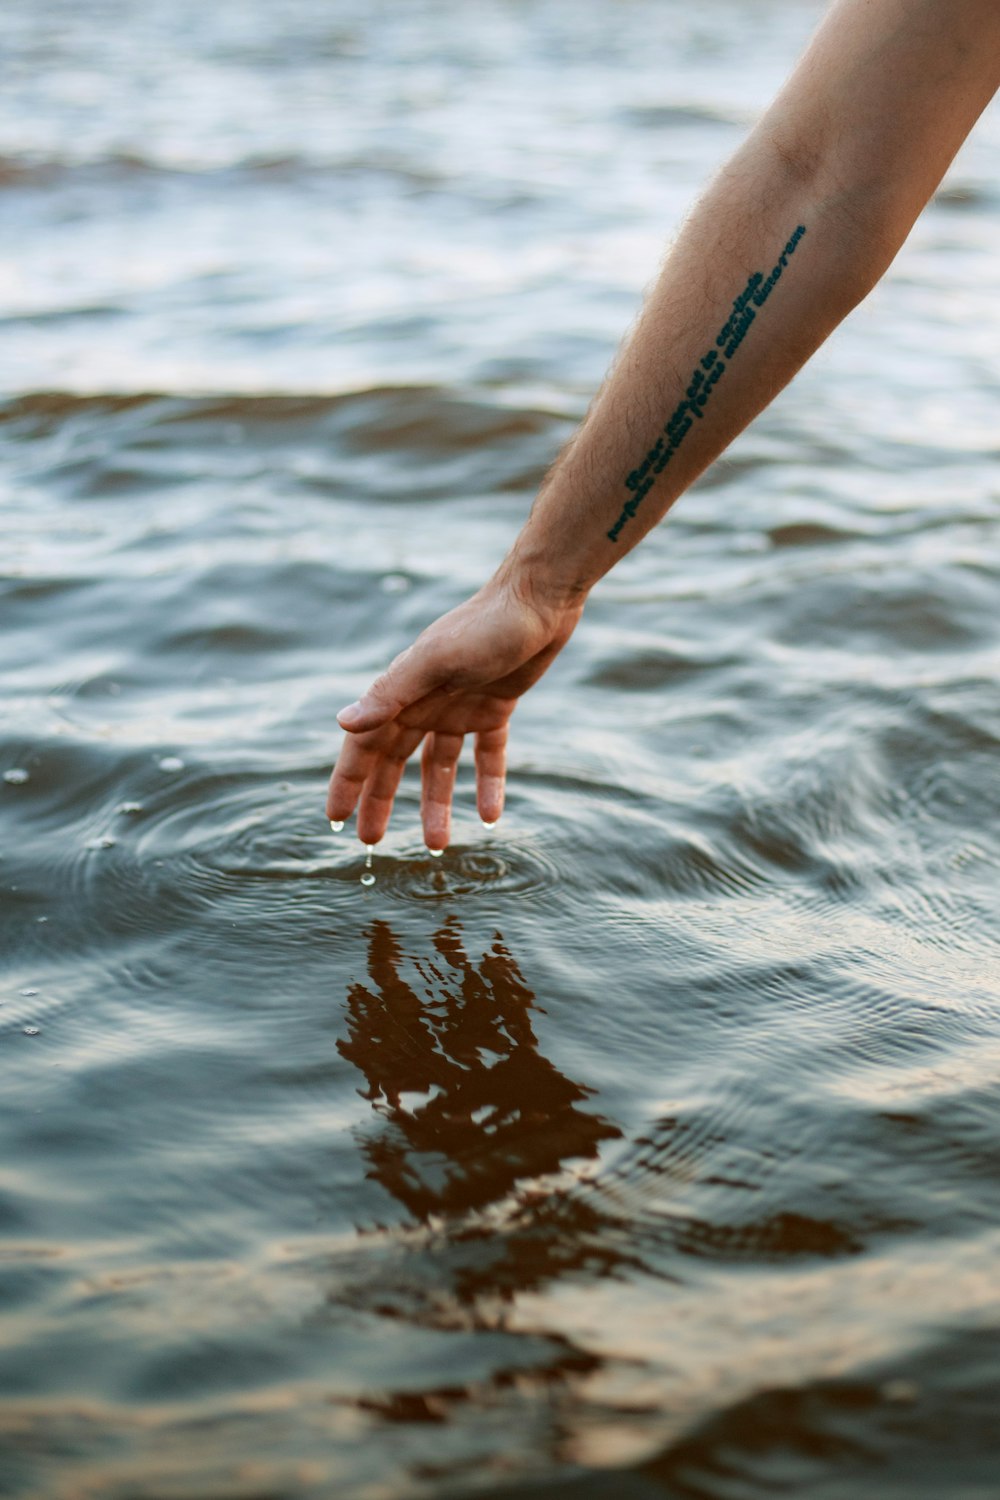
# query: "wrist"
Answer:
x=541 y=582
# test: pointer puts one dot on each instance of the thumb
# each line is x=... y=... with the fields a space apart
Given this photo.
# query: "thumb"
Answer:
x=408 y=678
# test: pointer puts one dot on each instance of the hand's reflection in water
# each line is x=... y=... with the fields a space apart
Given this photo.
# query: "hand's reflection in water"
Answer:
x=470 y=1106
x=472 y=1121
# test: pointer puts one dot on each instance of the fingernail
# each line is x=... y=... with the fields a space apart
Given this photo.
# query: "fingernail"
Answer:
x=349 y=714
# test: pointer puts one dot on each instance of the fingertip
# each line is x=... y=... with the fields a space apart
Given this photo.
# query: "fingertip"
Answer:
x=437 y=832
x=361 y=720
x=357 y=718
x=338 y=806
x=370 y=837
x=490 y=800
x=372 y=822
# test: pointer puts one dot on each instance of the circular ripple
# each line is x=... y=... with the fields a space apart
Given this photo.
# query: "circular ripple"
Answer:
x=245 y=835
x=466 y=870
x=200 y=855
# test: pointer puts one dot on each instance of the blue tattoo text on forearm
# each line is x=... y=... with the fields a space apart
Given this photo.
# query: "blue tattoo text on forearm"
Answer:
x=707 y=374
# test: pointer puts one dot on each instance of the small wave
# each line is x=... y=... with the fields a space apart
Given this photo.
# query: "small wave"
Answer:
x=61 y=315
x=661 y=116
x=965 y=195
x=807 y=534
x=421 y=420
x=35 y=414
x=648 y=668
x=120 y=167
x=916 y=1422
x=49 y=171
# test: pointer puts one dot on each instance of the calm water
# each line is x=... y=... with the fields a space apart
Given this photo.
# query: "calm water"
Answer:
x=648 y=1146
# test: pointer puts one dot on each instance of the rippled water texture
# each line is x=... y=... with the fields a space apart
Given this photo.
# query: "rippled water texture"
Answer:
x=647 y=1145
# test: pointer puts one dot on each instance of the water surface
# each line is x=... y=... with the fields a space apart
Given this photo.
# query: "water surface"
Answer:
x=646 y=1146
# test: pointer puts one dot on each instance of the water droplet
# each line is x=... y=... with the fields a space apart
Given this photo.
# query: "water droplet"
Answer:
x=368 y=878
x=29 y=992
x=41 y=919
x=435 y=853
x=30 y=1030
x=488 y=825
x=336 y=825
x=171 y=763
x=16 y=776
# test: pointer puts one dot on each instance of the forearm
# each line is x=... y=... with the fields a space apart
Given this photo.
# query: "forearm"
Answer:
x=717 y=339
x=787 y=240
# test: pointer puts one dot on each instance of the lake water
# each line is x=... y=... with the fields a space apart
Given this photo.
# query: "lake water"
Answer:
x=647 y=1146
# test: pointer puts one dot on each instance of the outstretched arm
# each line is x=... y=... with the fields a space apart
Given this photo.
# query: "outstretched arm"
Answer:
x=793 y=232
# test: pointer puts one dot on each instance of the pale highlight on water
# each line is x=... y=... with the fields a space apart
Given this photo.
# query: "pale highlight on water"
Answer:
x=644 y=1145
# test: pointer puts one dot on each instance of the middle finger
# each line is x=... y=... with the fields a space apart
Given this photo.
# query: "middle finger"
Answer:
x=440 y=766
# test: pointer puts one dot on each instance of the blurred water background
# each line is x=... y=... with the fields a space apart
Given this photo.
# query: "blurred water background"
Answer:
x=647 y=1146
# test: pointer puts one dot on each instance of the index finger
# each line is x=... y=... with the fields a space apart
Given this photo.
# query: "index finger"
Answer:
x=358 y=756
x=382 y=784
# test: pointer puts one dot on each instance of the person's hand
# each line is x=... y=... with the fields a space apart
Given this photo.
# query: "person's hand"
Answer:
x=462 y=675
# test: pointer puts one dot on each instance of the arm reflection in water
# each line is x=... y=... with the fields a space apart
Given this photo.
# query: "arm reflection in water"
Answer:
x=470 y=1106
